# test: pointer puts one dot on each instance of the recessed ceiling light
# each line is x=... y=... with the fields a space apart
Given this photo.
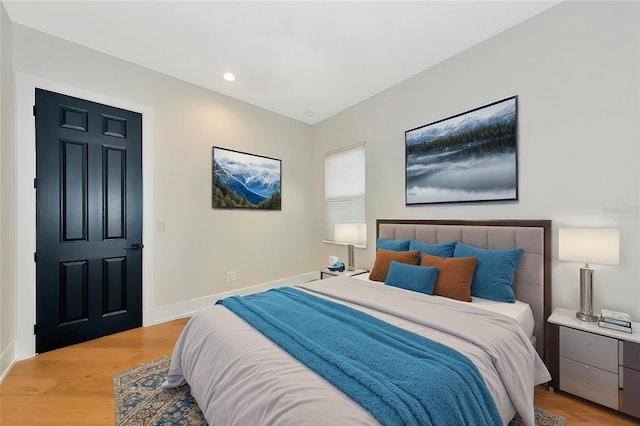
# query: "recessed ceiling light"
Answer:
x=229 y=76
x=308 y=113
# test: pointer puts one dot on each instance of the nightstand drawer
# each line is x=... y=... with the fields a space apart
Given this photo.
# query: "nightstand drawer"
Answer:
x=589 y=382
x=631 y=357
x=588 y=348
x=631 y=394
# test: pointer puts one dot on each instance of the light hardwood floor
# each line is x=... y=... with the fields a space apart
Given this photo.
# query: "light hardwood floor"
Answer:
x=73 y=386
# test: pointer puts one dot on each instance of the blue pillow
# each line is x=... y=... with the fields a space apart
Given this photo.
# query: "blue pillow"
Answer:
x=441 y=249
x=412 y=277
x=494 y=272
x=395 y=245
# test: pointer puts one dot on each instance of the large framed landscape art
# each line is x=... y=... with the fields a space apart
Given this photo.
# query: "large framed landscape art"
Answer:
x=245 y=181
x=468 y=157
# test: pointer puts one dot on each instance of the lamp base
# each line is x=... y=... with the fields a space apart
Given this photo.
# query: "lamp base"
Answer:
x=350 y=266
x=586 y=317
x=586 y=295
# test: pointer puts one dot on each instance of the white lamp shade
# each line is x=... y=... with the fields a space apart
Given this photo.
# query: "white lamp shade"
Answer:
x=351 y=233
x=600 y=246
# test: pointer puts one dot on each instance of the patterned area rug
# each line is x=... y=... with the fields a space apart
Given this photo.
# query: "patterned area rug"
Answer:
x=140 y=401
x=543 y=418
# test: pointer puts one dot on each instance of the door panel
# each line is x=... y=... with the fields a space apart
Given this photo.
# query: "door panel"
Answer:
x=74 y=191
x=89 y=216
x=74 y=292
x=115 y=285
x=115 y=179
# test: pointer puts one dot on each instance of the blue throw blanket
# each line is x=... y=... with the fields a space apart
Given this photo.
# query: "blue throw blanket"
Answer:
x=400 y=377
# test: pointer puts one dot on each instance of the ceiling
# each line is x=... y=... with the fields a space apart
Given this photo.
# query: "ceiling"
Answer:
x=307 y=60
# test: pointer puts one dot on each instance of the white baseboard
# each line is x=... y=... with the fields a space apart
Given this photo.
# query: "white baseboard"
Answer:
x=7 y=360
x=189 y=307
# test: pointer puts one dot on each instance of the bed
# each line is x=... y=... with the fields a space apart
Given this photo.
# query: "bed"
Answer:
x=458 y=361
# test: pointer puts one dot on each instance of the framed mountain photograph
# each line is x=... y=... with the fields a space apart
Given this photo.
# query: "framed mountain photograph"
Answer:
x=468 y=157
x=245 y=181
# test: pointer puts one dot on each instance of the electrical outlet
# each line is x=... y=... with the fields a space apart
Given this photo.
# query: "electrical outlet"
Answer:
x=231 y=276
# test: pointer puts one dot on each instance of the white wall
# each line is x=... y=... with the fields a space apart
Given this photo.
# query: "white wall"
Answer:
x=575 y=69
x=7 y=199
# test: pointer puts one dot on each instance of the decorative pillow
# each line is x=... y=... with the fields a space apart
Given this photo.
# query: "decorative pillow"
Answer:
x=412 y=277
x=494 y=272
x=440 y=249
x=384 y=257
x=454 y=276
x=396 y=245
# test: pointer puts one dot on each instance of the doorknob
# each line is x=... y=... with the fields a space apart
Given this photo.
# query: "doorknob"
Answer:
x=135 y=247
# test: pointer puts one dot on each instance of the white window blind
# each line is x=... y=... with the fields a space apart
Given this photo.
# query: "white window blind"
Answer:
x=344 y=183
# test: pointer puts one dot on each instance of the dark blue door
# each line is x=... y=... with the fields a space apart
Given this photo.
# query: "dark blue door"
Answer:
x=88 y=220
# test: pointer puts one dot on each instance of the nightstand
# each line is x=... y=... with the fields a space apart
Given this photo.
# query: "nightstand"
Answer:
x=326 y=273
x=595 y=363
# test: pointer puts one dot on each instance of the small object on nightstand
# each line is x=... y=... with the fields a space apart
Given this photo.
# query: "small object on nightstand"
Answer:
x=614 y=320
x=336 y=267
x=615 y=317
x=624 y=329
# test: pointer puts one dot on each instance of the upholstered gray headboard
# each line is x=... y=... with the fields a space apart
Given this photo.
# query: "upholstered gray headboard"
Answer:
x=532 y=282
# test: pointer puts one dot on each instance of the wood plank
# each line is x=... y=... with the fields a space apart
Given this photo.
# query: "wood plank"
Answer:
x=74 y=385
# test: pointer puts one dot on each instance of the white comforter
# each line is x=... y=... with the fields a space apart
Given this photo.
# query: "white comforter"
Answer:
x=239 y=377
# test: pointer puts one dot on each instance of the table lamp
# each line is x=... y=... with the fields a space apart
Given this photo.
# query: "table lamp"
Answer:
x=600 y=246
x=350 y=234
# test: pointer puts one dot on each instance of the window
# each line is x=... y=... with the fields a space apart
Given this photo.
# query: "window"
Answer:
x=344 y=188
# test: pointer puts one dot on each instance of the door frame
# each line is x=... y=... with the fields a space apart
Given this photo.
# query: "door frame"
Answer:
x=25 y=231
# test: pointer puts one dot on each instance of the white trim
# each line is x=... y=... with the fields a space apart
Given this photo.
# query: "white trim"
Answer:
x=7 y=360
x=346 y=148
x=189 y=307
x=25 y=85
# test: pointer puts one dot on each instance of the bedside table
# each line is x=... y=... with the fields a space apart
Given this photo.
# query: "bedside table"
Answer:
x=326 y=273
x=595 y=363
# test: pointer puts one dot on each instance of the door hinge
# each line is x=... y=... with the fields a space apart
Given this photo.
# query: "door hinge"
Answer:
x=34 y=110
x=35 y=257
x=35 y=183
x=35 y=328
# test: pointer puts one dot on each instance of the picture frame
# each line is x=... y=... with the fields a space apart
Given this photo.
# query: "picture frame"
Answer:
x=469 y=157
x=241 y=180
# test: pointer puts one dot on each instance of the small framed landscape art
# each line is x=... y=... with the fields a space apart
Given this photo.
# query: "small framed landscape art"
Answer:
x=245 y=181
x=468 y=157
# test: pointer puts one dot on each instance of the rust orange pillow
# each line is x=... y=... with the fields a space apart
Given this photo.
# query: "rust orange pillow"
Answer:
x=384 y=258
x=454 y=276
